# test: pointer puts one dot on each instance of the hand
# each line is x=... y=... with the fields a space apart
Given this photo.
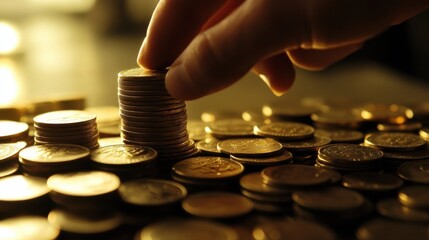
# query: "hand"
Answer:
x=211 y=44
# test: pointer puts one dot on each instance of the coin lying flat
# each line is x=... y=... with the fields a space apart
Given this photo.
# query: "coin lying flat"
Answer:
x=416 y=171
x=13 y=131
x=285 y=130
x=279 y=158
x=24 y=188
x=217 y=205
x=292 y=229
x=415 y=196
x=341 y=135
x=19 y=228
x=228 y=128
x=382 y=228
x=395 y=141
x=295 y=175
x=209 y=146
x=311 y=144
x=253 y=182
x=390 y=113
x=69 y=117
x=328 y=199
x=371 y=181
x=187 y=229
x=8 y=152
x=123 y=154
x=152 y=192
x=250 y=146
x=392 y=208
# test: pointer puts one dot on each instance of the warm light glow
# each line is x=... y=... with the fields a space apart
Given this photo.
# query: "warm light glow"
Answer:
x=9 y=85
x=9 y=38
x=66 y=5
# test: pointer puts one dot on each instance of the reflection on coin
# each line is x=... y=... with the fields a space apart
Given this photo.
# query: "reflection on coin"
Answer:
x=371 y=181
x=381 y=228
x=390 y=113
x=69 y=117
x=228 y=128
x=28 y=227
x=395 y=141
x=295 y=175
x=328 y=199
x=21 y=188
x=250 y=146
x=209 y=146
x=11 y=130
x=279 y=158
x=52 y=153
x=392 y=208
x=8 y=152
x=404 y=127
x=341 y=135
x=285 y=130
x=292 y=229
x=217 y=205
x=152 y=192
x=416 y=171
x=414 y=196
x=197 y=130
x=84 y=184
x=123 y=154
x=73 y=223
x=8 y=169
x=424 y=133
x=187 y=229
x=208 y=167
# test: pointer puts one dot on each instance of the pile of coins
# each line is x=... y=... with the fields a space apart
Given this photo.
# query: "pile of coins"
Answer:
x=152 y=117
x=66 y=126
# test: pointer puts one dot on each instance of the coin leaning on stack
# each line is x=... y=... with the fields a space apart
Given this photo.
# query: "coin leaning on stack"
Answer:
x=152 y=117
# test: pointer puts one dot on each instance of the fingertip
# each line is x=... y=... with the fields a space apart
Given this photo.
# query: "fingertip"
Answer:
x=177 y=84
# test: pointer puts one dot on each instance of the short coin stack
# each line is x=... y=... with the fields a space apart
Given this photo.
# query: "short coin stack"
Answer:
x=66 y=126
x=151 y=116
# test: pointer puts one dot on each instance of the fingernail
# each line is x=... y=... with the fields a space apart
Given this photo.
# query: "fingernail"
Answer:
x=266 y=80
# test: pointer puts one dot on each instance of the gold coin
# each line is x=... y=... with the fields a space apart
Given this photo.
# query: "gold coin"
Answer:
x=295 y=175
x=371 y=181
x=123 y=154
x=253 y=182
x=404 y=127
x=28 y=227
x=279 y=158
x=8 y=152
x=311 y=144
x=424 y=133
x=328 y=199
x=395 y=141
x=217 y=205
x=21 y=188
x=415 y=171
x=65 y=117
x=208 y=167
x=393 y=209
x=228 y=128
x=285 y=130
x=209 y=146
x=349 y=153
x=414 y=196
x=52 y=153
x=84 y=184
x=11 y=130
x=341 y=135
x=250 y=146
x=187 y=229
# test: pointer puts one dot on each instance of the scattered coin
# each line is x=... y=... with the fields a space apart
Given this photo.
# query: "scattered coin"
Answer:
x=415 y=171
x=12 y=131
x=341 y=135
x=307 y=145
x=371 y=181
x=280 y=158
x=382 y=228
x=285 y=130
x=230 y=128
x=295 y=175
x=408 y=126
x=209 y=146
x=217 y=205
x=392 y=208
x=28 y=227
x=414 y=196
x=250 y=146
x=395 y=141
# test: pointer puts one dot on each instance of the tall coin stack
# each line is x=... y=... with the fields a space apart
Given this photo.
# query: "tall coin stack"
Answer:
x=152 y=117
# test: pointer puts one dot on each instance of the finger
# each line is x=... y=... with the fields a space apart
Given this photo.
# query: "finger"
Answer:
x=314 y=59
x=277 y=72
x=173 y=25
x=219 y=56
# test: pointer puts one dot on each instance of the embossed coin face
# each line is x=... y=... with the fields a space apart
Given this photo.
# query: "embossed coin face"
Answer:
x=295 y=175
x=27 y=227
x=84 y=184
x=231 y=128
x=297 y=229
x=123 y=154
x=217 y=205
x=250 y=146
x=152 y=192
x=208 y=167
x=187 y=229
x=349 y=152
x=307 y=144
x=328 y=199
x=371 y=181
x=7 y=151
x=415 y=171
x=11 y=130
x=69 y=117
x=141 y=72
x=285 y=130
x=395 y=141
x=21 y=188
x=53 y=153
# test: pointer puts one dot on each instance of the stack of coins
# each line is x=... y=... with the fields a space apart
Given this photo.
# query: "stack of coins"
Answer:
x=66 y=126
x=152 y=117
x=349 y=157
x=48 y=159
x=125 y=160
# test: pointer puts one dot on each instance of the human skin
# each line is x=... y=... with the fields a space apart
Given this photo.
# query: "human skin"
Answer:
x=209 y=45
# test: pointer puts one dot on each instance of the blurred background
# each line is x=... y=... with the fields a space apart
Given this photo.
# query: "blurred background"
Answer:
x=53 y=49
